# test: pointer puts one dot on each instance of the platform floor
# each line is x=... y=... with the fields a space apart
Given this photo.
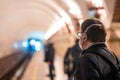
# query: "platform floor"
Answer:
x=38 y=69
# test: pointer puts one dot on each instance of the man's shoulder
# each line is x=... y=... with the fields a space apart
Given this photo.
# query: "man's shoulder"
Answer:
x=89 y=57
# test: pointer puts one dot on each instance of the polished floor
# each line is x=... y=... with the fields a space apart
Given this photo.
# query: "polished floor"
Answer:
x=38 y=69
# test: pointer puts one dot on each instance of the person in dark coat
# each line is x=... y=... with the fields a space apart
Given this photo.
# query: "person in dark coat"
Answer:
x=91 y=66
x=71 y=58
x=49 y=58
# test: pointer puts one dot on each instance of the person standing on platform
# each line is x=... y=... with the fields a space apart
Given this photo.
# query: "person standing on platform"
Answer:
x=49 y=58
x=71 y=58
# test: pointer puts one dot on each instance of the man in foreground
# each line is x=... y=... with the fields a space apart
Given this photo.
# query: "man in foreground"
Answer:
x=92 y=66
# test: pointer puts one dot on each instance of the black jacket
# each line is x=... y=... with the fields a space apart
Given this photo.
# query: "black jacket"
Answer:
x=92 y=67
x=49 y=53
x=71 y=57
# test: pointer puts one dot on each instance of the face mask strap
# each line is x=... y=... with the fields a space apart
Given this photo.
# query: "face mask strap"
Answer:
x=98 y=25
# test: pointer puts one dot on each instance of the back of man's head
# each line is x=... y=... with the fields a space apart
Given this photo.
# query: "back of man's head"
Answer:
x=94 y=29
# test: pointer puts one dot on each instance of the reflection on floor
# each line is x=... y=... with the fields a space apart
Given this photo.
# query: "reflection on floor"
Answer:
x=38 y=69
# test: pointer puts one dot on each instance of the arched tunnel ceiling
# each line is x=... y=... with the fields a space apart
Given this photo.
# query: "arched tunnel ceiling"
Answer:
x=19 y=18
x=22 y=17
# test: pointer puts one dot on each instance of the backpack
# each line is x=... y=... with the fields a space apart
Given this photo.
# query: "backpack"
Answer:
x=115 y=67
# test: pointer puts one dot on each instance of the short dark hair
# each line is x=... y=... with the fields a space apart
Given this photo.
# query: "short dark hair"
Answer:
x=94 y=29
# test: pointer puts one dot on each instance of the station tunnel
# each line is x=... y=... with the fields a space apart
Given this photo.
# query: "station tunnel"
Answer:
x=27 y=25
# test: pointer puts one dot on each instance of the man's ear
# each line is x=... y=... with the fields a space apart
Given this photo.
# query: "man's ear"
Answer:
x=85 y=37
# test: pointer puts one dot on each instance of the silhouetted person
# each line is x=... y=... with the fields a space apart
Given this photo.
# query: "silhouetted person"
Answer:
x=71 y=58
x=49 y=58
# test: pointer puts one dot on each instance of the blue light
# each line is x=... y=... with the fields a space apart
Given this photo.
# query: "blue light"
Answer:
x=32 y=42
x=37 y=45
x=37 y=35
x=25 y=44
x=15 y=45
x=35 y=41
